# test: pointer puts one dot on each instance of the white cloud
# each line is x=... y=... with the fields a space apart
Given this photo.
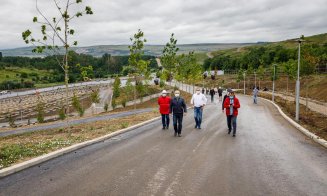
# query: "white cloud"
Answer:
x=192 y=21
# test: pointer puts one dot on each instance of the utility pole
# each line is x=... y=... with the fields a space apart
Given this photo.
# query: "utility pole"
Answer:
x=297 y=99
x=244 y=81
x=273 y=90
x=255 y=79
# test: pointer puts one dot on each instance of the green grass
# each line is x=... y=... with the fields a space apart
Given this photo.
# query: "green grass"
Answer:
x=48 y=85
x=14 y=73
x=10 y=153
x=200 y=57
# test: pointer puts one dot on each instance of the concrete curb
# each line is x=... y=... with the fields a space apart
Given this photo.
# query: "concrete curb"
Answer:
x=298 y=126
x=35 y=161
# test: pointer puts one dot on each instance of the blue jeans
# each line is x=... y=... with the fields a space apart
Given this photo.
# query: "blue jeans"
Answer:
x=231 y=121
x=255 y=99
x=198 y=116
x=165 y=120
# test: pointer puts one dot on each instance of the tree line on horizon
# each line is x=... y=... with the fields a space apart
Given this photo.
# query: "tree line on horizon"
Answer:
x=313 y=59
x=102 y=67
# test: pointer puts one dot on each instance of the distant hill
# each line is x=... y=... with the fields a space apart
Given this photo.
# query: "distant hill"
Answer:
x=122 y=50
x=319 y=39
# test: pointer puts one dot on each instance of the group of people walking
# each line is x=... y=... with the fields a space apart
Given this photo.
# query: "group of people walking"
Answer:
x=177 y=107
x=212 y=92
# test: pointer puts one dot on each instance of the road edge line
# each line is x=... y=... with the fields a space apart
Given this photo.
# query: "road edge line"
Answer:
x=43 y=158
x=305 y=131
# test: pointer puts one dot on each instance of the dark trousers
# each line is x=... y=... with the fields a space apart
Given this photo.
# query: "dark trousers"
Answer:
x=212 y=96
x=198 y=116
x=165 y=120
x=177 y=121
x=231 y=122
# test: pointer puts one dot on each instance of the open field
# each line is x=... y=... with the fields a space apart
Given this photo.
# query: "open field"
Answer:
x=15 y=73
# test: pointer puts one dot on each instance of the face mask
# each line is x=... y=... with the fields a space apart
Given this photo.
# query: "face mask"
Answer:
x=231 y=96
x=198 y=92
x=176 y=95
x=164 y=95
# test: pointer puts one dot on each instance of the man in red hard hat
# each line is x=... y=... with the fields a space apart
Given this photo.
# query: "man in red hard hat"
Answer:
x=164 y=106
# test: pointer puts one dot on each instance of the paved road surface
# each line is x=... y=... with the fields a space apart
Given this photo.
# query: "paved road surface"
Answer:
x=72 y=122
x=268 y=157
x=312 y=105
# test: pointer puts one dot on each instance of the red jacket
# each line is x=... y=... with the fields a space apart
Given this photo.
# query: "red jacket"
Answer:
x=235 y=106
x=164 y=103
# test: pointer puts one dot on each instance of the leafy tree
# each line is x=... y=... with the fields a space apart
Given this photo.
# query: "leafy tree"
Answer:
x=240 y=76
x=290 y=69
x=116 y=92
x=56 y=31
x=86 y=71
x=261 y=73
x=77 y=105
x=62 y=113
x=169 y=59
x=40 y=111
x=95 y=96
x=139 y=66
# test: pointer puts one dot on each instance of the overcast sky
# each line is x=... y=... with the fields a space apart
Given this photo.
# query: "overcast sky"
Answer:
x=192 y=21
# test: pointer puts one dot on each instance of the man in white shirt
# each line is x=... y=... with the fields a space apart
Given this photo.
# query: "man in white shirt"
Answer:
x=198 y=100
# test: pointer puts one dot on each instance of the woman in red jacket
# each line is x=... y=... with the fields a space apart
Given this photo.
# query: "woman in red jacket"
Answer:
x=231 y=104
x=164 y=104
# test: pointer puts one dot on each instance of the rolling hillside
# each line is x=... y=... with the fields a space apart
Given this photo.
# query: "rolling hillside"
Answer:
x=122 y=50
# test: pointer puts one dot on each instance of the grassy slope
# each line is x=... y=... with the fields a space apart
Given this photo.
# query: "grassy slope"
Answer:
x=319 y=39
x=13 y=73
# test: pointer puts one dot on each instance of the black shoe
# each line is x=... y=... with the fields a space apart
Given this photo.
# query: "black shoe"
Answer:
x=179 y=135
x=234 y=135
x=167 y=127
x=199 y=127
x=175 y=134
x=229 y=131
x=163 y=127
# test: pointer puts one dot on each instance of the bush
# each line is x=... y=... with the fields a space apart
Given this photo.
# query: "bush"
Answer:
x=124 y=101
x=140 y=89
x=106 y=107
x=77 y=105
x=23 y=75
x=113 y=103
x=95 y=97
x=62 y=113
x=40 y=111
x=162 y=84
x=11 y=120
x=116 y=92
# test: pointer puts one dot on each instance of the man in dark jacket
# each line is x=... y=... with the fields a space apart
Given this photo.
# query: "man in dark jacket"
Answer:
x=231 y=104
x=177 y=107
x=220 y=93
x=212 y=94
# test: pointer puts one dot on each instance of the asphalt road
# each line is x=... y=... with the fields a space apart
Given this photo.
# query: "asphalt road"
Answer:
x=268 y=157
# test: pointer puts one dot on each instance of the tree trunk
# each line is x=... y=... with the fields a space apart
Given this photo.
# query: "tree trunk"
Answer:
x=287 y=85
x=135 y=93
x=193 y=88
x=306 y=95
x=66 y=69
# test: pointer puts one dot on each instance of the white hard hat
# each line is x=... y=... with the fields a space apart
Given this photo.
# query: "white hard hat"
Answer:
x=164 y=92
